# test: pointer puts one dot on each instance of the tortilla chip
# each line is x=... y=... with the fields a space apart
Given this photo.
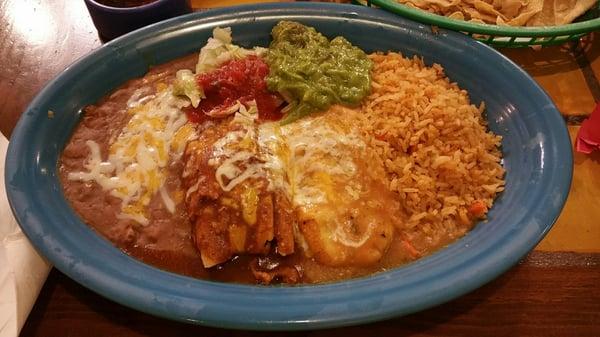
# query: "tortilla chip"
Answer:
x=478 y=21
x=442 y=3
x=457 y=16
x=560 y=12
x=533 y=5
x=420 y=4
x=507 y=12
x=510 y=8
x=569 y=10
x=486 y=8
x=476 y=14
x=523 y=18
x=413 y=3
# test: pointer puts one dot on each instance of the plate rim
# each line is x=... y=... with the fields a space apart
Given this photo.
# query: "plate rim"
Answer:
x=107 y=286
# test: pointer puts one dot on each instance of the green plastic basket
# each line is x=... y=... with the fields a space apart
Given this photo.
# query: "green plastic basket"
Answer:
x=498 y=36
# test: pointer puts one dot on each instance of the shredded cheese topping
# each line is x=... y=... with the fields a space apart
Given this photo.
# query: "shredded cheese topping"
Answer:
x=308 y=160
x=135 y=170
x=236 y=155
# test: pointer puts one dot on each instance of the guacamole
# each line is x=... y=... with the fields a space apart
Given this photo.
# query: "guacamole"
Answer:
x=312 y=73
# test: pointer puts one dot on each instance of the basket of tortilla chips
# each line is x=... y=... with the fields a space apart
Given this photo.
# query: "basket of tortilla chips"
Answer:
x=503 y=23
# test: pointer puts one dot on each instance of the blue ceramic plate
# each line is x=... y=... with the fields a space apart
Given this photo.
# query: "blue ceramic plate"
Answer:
x=537 y=157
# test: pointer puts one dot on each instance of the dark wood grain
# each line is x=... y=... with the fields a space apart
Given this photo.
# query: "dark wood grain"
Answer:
x=548 y=294
x=38 y=39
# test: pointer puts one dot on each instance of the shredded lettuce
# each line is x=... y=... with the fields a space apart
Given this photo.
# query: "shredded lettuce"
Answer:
x=219 y=49
x=185 y=85
x=247 y=113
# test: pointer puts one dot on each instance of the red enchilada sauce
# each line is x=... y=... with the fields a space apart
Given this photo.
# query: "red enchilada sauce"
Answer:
x=239 y=80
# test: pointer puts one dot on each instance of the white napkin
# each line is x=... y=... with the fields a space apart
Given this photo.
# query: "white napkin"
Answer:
x=22 y=270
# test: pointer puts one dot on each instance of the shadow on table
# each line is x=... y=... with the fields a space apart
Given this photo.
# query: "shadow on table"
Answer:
x=570 y=56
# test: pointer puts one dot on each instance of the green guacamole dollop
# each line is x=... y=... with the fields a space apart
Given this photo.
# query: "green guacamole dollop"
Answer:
x=312 y=73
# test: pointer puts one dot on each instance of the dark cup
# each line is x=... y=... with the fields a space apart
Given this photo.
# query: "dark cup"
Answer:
x=112 y=22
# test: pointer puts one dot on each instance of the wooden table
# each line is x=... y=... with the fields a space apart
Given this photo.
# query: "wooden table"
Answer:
x=554 y=291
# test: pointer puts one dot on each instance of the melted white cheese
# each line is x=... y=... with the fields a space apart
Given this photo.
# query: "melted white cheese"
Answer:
x=235 y=155
x=342 y=236
x=306 y=160
x=300 y=153
x=135 y=169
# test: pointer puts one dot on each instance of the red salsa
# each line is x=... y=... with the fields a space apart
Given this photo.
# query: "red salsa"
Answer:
x=239 y=80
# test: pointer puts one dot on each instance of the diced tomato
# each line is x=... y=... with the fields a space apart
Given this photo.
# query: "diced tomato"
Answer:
x=412 y=251
x=477 y=209
x=238 y=80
